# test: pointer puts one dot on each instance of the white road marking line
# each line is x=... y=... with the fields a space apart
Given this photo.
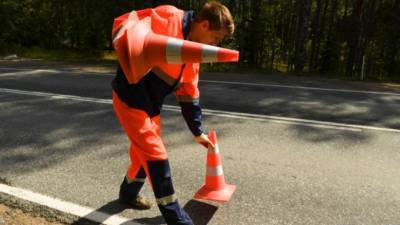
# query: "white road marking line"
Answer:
x=232 y=82
x=55 y=96
x=66 y=207
x=220 y=113
x=302 y=87
x=31 y=72
x=54 y=71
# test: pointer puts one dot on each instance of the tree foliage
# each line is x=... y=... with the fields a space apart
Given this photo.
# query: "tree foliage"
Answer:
x=318 y=36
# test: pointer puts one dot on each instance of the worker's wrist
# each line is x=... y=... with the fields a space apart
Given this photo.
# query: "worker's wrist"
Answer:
x=198 y=135
x=197 y=132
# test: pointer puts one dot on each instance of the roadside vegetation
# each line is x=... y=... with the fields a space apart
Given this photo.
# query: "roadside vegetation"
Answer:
x=347 y=39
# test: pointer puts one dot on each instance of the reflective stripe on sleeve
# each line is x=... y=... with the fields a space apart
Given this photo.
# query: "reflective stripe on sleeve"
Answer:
x=186 y=98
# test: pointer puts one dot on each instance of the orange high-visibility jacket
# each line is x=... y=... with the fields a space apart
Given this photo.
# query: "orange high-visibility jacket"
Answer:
x=149 y=93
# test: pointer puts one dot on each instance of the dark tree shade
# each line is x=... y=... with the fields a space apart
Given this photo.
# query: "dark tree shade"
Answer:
x=317 y=36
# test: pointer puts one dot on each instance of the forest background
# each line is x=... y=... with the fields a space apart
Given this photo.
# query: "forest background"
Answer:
x=353 y=39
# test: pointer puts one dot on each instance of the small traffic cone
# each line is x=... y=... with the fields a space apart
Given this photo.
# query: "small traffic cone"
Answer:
x=138 y=48
x=215 y=188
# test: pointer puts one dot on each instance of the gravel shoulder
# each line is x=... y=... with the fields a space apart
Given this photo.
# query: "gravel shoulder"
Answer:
x=13 y=216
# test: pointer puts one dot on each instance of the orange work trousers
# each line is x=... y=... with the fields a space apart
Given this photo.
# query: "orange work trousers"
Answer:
x=144 y=135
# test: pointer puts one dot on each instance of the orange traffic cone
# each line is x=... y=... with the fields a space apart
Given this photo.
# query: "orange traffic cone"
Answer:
x=139 y=49
x=215 y=188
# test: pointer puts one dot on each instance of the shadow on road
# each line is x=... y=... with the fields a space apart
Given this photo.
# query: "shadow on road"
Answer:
x=320 y=135
x=200 y=212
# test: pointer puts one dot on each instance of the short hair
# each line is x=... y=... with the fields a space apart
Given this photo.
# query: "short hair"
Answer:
x=217 y=15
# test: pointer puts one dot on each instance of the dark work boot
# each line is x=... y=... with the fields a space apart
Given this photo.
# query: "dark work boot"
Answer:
x=139 y=202
x=129 y=195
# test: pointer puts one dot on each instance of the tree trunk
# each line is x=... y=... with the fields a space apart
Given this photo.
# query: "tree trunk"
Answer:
x=346 y=8
x=303 y=26
x=354 y=42
x=243 y=25
x=232 y=7
x=316 y=37
x=272 y=58
x=256 y=38
x=366 y=30
x=331 y=54
x=289 y=37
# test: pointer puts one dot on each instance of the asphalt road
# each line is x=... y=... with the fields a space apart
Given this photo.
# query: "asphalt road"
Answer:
x=301 y=151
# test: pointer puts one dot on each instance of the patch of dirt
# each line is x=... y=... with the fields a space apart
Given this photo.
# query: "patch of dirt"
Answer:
x=13 y=216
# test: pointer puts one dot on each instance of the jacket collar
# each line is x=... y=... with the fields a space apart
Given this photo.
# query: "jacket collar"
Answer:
x=187 y=21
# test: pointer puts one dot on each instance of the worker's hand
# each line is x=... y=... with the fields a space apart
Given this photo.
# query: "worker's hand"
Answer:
x=204 y=140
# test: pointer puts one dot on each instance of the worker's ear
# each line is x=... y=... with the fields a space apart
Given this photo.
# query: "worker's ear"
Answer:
x=204 y=25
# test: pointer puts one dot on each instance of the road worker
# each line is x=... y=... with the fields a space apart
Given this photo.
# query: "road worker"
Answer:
x=138 y=105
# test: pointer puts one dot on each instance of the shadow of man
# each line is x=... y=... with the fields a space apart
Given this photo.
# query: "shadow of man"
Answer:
x=200 y=212
x=114 y=207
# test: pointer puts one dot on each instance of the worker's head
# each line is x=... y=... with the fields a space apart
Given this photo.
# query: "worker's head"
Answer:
x=212 y=24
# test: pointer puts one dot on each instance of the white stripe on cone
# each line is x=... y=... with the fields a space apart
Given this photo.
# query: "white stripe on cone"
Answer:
x=209 y=54
x=215 y=171
x=215 y=150
x=174 y=50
